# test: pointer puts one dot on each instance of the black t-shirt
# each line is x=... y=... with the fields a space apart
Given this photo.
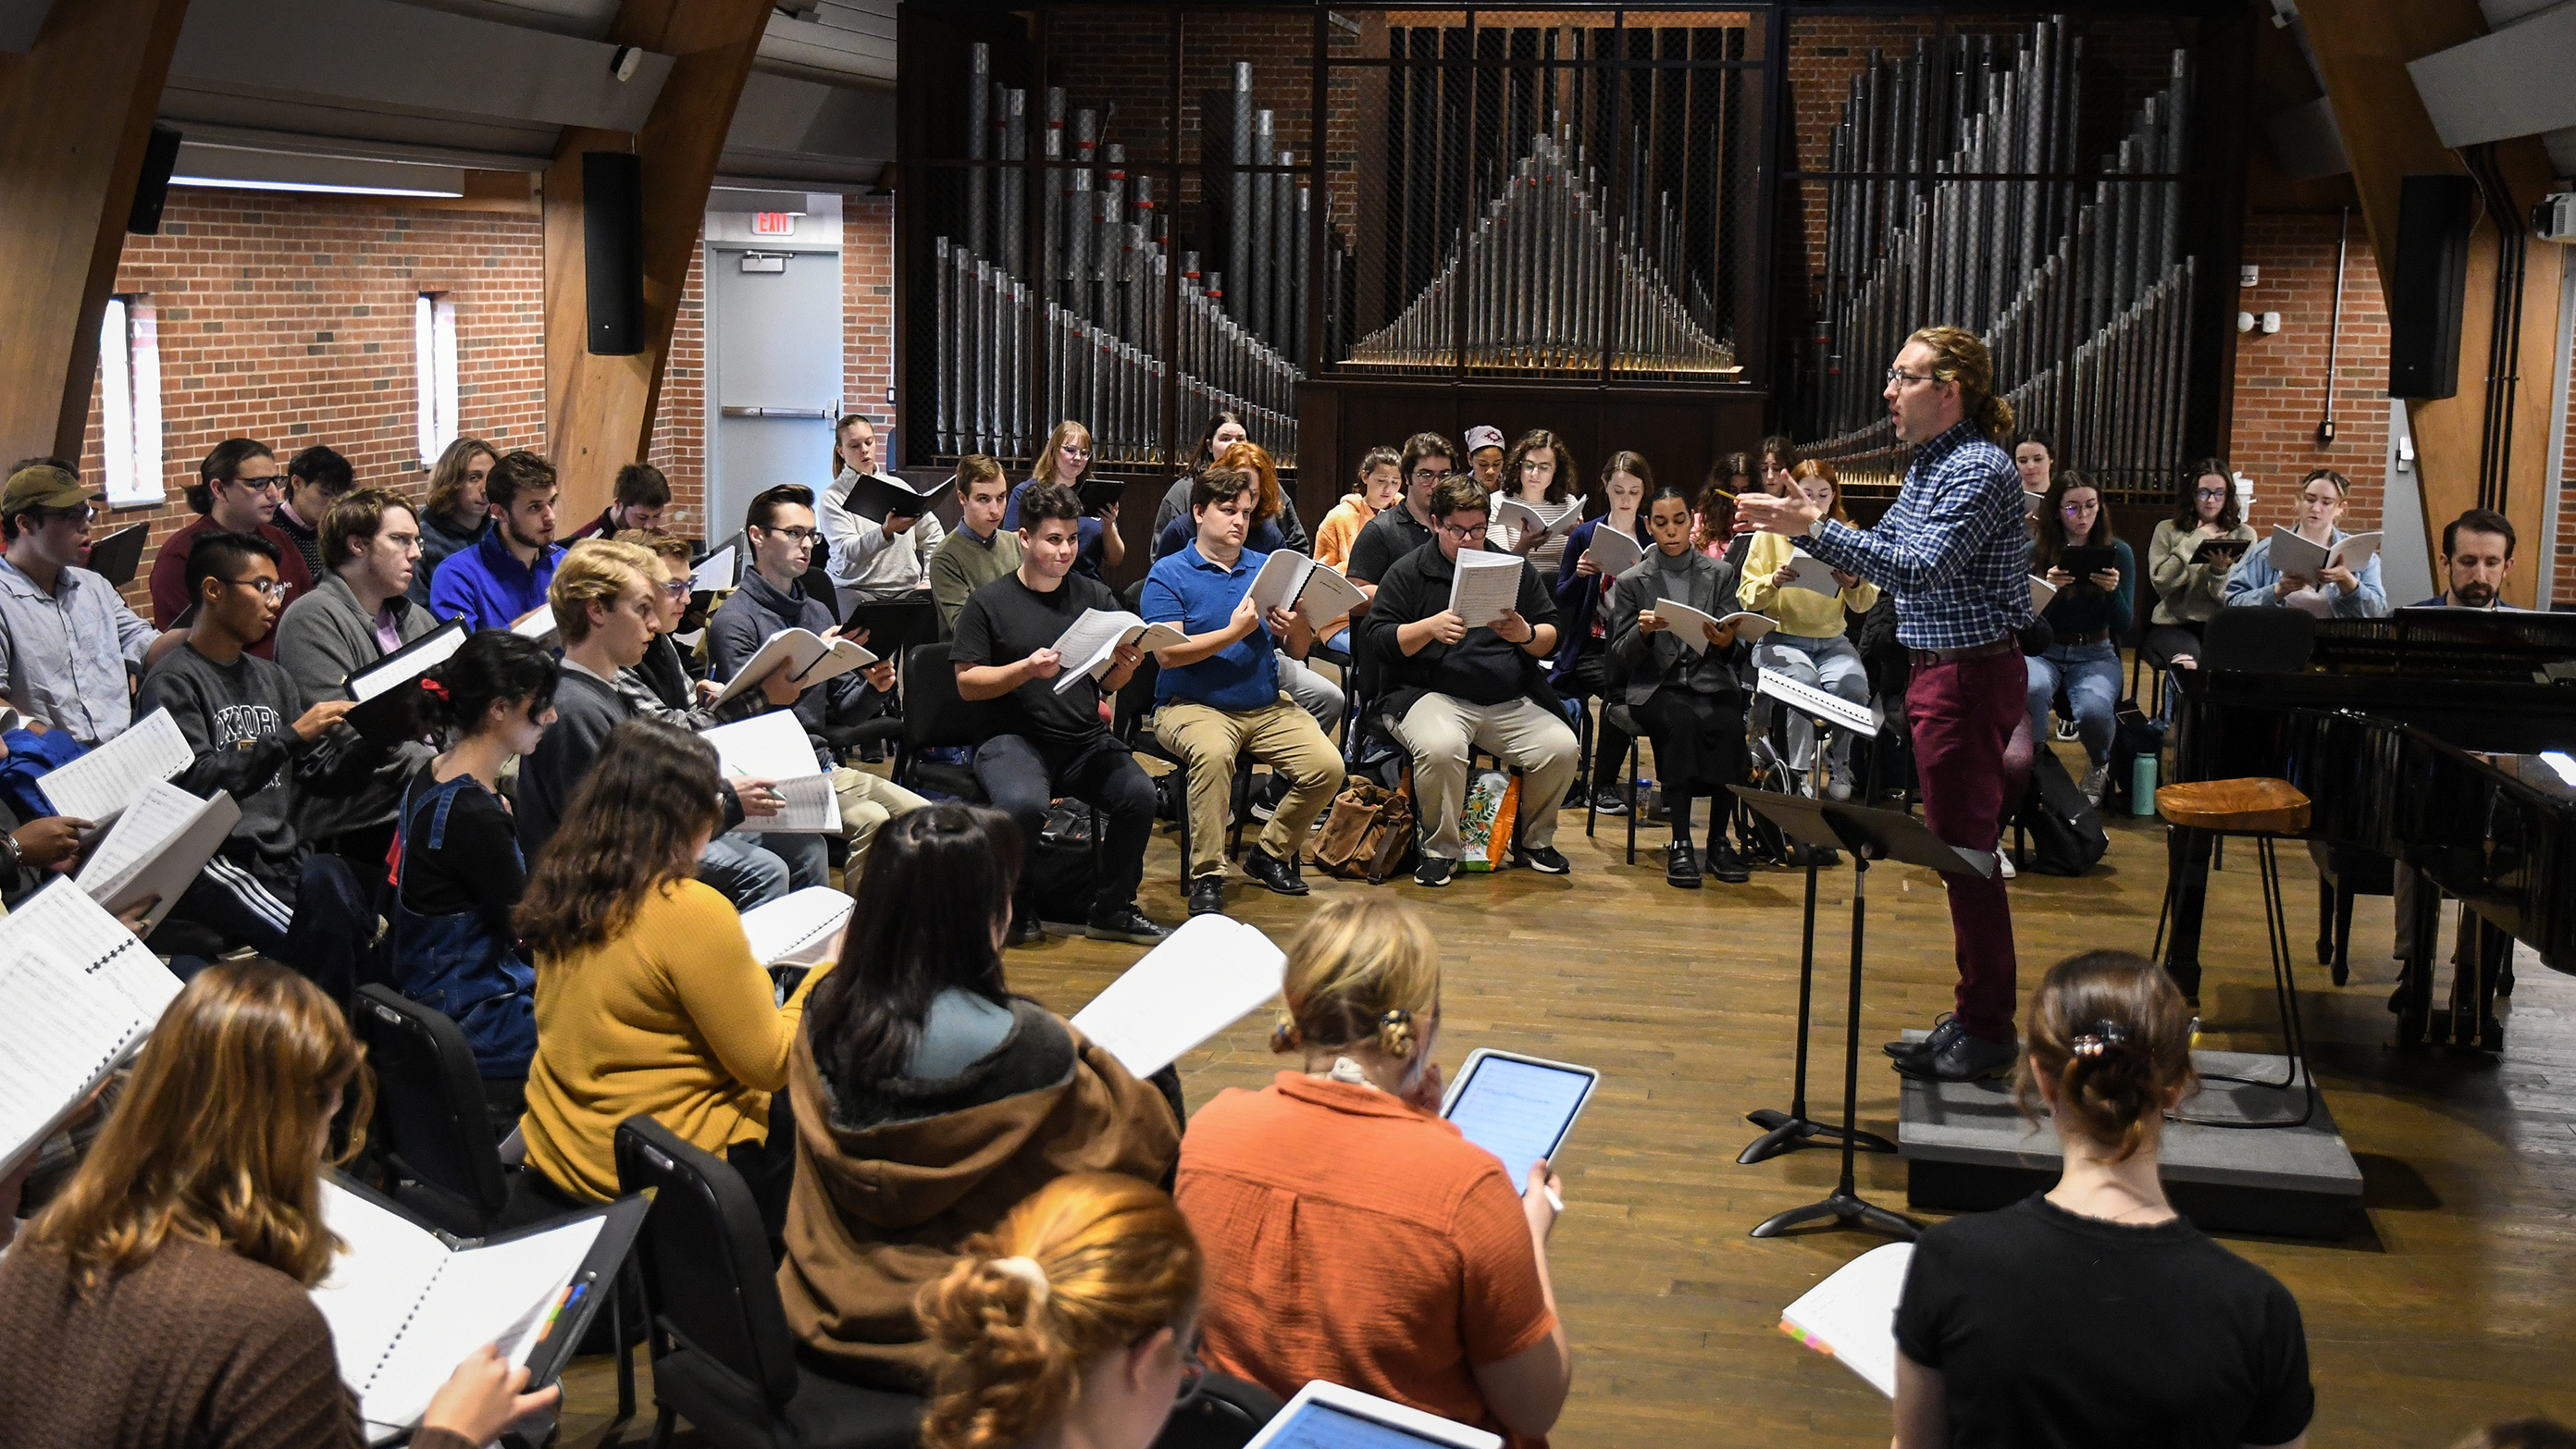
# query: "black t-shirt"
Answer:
x=1381 y=541
x=1005 y=622
x=476 y=866
x=2051 y=1329
x=1481 y=668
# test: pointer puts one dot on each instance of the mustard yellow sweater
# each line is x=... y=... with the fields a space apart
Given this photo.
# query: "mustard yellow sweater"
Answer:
x=1797 y=611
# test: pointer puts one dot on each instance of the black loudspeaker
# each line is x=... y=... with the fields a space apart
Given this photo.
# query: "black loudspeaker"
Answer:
x=160 y=155
x=612 y=236
x=2429 y=284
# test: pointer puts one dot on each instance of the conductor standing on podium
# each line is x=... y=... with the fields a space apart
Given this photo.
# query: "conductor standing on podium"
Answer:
x=1952 y=552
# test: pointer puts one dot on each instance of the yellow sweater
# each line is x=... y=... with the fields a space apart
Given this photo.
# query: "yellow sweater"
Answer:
x=1797 y=611
x=676 y=1019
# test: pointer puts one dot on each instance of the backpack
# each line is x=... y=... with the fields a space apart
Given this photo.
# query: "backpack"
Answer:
x=2132 y=735
x=2066 y=834
x=1369 y=834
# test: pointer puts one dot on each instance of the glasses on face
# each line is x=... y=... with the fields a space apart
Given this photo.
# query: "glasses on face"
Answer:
x=1467 y=534
x=75 y=516
x=270 y=484
x=269 y=589
x=1897 y=376
x=675 y=588
x=792 y=535
x=2087 y=506
x=2209 y=493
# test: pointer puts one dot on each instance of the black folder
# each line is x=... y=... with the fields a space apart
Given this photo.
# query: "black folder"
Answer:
x=1099 y=493
x=2084 y=561
x=893 y=626
x=876 y=498
x=115 y=557
x=392 y=715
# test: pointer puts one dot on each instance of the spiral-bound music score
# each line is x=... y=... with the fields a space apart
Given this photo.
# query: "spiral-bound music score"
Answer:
x=77 y=995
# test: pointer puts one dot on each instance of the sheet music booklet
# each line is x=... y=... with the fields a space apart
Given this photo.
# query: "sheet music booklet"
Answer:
x=155 y=848
x=877 y=497
x=773 y=747
x=2042 y=592
x=1817 y=703
x=103 y=782
x=1687 y=621
x=1207 y=975
x=1087 y=644
x=386 y=709
x=2292 y=554
x=1613 y=552
x=1485 y=587
x=810 y=659
x=78 y=994
x=801 y=928
x=538 y=624
x=1527 y=519
x=1316 y=590
x=714 y=572
x=1806 y=571
x=1851 y=1315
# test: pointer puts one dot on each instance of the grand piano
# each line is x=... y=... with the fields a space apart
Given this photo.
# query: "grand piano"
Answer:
x=2423 y=737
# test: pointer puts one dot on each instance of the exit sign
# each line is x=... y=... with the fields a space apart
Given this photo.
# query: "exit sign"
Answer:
x=773 y=223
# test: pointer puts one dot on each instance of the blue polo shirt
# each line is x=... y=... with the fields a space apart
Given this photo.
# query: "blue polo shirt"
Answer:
x=1201 y=594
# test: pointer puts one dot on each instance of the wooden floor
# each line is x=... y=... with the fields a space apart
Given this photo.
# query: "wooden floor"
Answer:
x=2454 y=1307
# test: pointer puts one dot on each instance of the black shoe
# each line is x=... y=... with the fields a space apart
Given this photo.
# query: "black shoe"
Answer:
x=1965 y=1059
x=1207 y=896
x=872 y=753
x=1609 y=800
x=1272 y=873
x=1025 y=931
x=1681 y=866
x=1945 y=1027
x=1577 y=796
x=1434 y=872
x=1127 y=924
x=1265 y=801
x=1545 y=859
x=1727 y=866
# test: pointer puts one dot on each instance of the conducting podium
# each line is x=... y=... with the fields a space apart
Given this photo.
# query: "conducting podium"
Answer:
x=1869 y=834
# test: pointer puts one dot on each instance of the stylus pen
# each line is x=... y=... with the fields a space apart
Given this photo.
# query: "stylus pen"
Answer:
x=1553 y=1200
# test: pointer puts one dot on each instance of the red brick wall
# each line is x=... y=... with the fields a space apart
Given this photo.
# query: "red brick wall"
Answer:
x=867 y=307
x=2280 y=377
x=679 y=446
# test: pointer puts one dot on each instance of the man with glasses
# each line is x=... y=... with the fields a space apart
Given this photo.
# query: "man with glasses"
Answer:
x=1452 y=687
x=503 y=577
x=253 y=736
x=238 y=489
x=67 y=642
x=315 y=478
x=1952 y=552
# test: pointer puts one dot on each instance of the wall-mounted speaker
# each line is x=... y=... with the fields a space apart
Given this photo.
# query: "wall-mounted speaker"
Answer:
x=152 y=191
x=612 y=236
x=2428 y=286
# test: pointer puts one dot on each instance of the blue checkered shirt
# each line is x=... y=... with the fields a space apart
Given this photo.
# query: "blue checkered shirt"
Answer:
x=1951 y=549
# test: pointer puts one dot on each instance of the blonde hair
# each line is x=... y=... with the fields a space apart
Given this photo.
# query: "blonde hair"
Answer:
x=1362 y=969
x=1064 y=431
x=660 y=545
x=596 y=571
x=1090 y=1264
x=1960 y=356
x=213 y=1138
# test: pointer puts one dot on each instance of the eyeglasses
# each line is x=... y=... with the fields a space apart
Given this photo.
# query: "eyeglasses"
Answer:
x=1463 y=535
x=269 y=589
x=2087 y=506
x=80 y=515
x=1898 y=375
x=274 y=482
x=675 y=588
x=2209 y=493
x=792 y=535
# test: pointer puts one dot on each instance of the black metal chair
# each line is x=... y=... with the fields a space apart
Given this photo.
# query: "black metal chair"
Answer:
x=936 y=716
x=722 y=1352
x=431 y=1124
x=1129 y=721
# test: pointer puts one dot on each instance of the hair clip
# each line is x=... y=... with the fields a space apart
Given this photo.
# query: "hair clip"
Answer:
x=433 y=688
x=2105 y=1035
x=1285 y=1037
x=1397 y=1016
x=1027 y=1271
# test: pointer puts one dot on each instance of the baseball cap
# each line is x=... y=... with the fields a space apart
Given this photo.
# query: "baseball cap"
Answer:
x=1480 y=437
x=42 y=486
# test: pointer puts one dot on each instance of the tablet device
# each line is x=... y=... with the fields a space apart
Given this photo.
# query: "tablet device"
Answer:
x=1517 y=1108
x=2213 y=549
x=2087 y=560
x=1328 y=1416
x=894 y=625
x=1099 y=493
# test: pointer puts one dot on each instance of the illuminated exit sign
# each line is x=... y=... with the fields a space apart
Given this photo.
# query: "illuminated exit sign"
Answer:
x=773 y=223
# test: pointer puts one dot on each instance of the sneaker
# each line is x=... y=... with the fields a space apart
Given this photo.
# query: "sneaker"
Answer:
x=2004 y=865
x=1434 y=872
x=1265 y=801
x=1127 y=924
x=2095 y=778
x=1727 y=865
x=2067 y=729
x=1273 y=874
x=1964 y=1059
x=1577 y=796
x=1207 y=896
x=1609 y=800
x=1836 y=787
x=1944 y=1028
x=1025 y=931
x=1545 y=859
x=1681 y=866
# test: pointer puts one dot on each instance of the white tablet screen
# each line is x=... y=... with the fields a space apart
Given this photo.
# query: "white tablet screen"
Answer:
x=1518 y=1111
x=1321 y=1426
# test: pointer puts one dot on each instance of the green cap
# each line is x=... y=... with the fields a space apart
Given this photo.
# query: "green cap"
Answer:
x=41 y=486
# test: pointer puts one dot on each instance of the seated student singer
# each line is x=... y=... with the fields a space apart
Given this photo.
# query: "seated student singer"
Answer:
x=252 y=735
x=1539 y=471
x=1582 y=669
x=1219 y=694
x=929 y=1100
x=66 y=639
x=639 y=499
x=871 y=562
x=604 y=606
x=2087 y=617
x=458 y=874
x=503 y=577
x=669 y=685
x=1395 y=530
x=1066 y=462
x=1690 y=702
x=981 y=549
x=237 y=490
x=1271 y=527
x=1351 y=1234
x=648 y=997
x=453 y=517
x=1713 y=512
x=2340 y=593
x=1224 y=429
x=1052 y=740
x=1809 y=645
x=2189 y=592
x=2093 y=1313
x=1452 y=687
x=1073 y=1323
x=1381 y=484
x=160 y=1301
x=316 y=478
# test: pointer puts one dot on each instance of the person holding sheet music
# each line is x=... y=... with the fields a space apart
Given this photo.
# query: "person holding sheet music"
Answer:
x=637 y=501
x=1381 y=484
x=238 y=486
x=1582 y=669
x=1273 y=527
x=1452 y=686
x=502 y=579
x=929 y=1100
x=1539 y=473
x=2345 y=593
x=67 y=642
x=649 y=999
x=1351 y=1234
x=359 y=613
x=672 y=681
x=1690 y=700
x=1810 y=644
x=981 y=549
x=453 y=517
x=254 y=737
x=1073 y=1323
x=873 y=562
x=1224 y=429
x=1221 y=694
x=1395 y=532
x=458 y=873
x=2086 y=618
x=2191 y=587
x=2093 y=1313
x=160 y=1301
x=1066 y=460
x=1051 y=741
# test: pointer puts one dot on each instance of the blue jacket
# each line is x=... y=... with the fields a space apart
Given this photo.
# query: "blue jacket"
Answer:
x=1578 y=599
x=488 y=585
x=2253 y=578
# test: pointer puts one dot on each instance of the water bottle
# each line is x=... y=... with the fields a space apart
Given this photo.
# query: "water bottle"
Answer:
x=2142 y=785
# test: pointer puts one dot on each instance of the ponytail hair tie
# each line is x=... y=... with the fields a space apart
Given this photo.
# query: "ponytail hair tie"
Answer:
x=1027 y=1271
x=1395 y=1032
x=2105 y=1035
x=433 y=688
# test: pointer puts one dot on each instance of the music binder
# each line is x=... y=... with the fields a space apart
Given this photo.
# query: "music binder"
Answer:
x=116 y=557
x=893 y=625
x=877 y=497
x=1099 y=493
x=78 y=995
x=97 y=786
x=155 y=849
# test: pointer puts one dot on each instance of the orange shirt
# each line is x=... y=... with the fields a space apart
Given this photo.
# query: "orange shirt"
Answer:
x=1353 y=1239
x=1342 y=526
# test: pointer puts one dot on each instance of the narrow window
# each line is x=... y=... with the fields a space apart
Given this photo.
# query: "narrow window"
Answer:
x=129 y=364
x=433 y=339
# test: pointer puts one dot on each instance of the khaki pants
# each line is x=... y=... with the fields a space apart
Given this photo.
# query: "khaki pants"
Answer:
x=867 y=803
x=1440 y=731
x=1278 y=734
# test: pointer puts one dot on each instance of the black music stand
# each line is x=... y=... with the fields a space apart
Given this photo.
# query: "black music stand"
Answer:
x=1793 y=1129
x=1869 y=834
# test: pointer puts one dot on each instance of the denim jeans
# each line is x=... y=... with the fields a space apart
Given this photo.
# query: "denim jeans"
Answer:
x=2091 y=674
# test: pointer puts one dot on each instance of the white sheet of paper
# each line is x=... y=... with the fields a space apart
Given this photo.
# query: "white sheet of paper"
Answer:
x=1485 y=586
x=1688 y=624
x=1817 y=703
x=809 y=657
x=1613 y=552
x=1806 y=571
x=366 y=684
x=773 y=747
x=1281 y=576
x=156 y=848
x=77 y=994
x=713 y=572
x=1206 y=976
x=1526 y=519
x=801 y=928
x=1326 y=595
x=538 y=624
x=107 y=779
x=2041 y=592
x=2355 y=550
x=1089 y=645
x=1852 y=1314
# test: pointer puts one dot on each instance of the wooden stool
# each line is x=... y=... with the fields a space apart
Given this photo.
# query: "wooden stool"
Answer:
x=2264 y=809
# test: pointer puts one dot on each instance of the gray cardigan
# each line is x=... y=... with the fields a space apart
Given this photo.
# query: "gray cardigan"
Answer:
x=322 y=639
x=1653 y=661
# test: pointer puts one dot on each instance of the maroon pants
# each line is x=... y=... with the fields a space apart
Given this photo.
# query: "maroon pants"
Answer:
x=1963 y=713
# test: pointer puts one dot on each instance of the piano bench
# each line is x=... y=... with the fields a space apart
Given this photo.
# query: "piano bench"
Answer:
x=2253 y=806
